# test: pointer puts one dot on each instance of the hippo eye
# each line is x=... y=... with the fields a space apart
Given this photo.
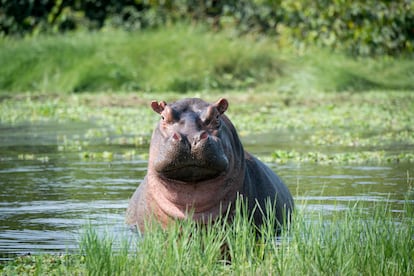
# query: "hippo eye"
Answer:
x=216 y=122
x=218 y=116
x=162 y=118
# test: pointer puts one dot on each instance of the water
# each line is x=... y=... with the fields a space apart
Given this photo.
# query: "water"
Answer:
x=48 y=195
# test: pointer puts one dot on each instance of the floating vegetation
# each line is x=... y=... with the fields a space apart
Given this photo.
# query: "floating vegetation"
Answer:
x=32 y=156
x=281 y=156
x=365 y=123
x=105 y=155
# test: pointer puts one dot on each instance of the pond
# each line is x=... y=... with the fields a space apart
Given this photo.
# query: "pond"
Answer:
x=48 y=193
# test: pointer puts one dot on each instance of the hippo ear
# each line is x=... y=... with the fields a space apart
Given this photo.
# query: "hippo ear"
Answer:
x=158 y=107
x=222 y=105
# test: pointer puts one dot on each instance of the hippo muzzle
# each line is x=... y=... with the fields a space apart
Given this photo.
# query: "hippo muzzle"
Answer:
x=191 y=158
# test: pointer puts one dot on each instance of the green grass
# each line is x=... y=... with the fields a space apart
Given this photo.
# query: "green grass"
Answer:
x=173 y=59
x=351 y=242
x=185 y=58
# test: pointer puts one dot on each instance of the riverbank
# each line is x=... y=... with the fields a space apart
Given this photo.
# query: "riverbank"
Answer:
x=186 y=58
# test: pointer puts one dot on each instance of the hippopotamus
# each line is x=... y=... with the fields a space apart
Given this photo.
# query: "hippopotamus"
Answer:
x=197 y=166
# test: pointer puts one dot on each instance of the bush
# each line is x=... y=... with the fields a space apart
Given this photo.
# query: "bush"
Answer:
x=361 y=27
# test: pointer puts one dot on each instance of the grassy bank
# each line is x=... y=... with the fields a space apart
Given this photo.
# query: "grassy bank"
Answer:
x=347 y=243
x=185 y=58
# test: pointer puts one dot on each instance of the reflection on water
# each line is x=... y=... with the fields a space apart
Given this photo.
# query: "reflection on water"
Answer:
x=48 y=195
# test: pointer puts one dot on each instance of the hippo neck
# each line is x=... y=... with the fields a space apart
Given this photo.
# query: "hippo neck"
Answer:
x=204 y=199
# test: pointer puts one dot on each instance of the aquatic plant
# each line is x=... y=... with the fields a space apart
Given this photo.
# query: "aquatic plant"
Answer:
x=349 y=242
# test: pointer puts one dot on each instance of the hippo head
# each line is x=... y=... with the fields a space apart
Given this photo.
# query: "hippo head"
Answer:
x=192 y=142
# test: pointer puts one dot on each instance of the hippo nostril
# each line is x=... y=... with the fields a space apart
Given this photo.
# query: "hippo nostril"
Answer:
x=199 y=137
x=203 y=135
x=176 y=136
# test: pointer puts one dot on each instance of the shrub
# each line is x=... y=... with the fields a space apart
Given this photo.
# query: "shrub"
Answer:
x=360 y=27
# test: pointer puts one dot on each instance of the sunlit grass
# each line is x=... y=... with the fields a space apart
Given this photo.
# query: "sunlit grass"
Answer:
x=184 y=58
x=172 y=59
x=351 y=242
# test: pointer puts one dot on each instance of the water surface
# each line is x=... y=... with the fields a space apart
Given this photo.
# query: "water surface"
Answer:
x=48 y=193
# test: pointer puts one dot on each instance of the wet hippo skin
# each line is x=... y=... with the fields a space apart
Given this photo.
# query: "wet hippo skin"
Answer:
x=197 y=165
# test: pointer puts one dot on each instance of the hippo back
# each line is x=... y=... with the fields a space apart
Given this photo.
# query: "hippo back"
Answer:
x=262 y=186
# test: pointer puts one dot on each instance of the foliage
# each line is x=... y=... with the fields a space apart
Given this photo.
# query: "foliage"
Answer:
x=312 y=244
x=62 y=264
x=360 y=27
x=185 y=58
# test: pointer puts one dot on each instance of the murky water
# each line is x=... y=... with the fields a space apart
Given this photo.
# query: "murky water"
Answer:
x=48 y=194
